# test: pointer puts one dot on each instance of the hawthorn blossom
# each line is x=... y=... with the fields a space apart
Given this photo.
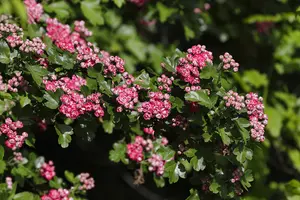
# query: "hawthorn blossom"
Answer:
x=34 y=11
x=60 y=194
x=229 y=62
x=87 y=181
x=48 y=170
x=157 y=164
x=9 y=182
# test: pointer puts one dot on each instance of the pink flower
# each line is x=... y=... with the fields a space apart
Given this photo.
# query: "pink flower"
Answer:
x=88 y=182
x=34 y=11
x=48 y=170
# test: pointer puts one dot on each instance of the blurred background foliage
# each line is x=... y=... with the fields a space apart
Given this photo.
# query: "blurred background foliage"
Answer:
x=264 y=36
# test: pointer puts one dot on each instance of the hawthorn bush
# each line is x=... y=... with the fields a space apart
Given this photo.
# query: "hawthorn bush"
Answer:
x=188 y=122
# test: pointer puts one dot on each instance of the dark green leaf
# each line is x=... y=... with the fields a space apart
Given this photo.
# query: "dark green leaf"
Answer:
x=4 y=52
x=190 y=152
x=27 y=196
x=92 y=11
x=194 y=195
x=1 y=152
x=37 y=72
x=2 y=166
x=24 y=101
x=70 y=177
x=119 y=3
x=198 y=163
x=159 y=181
x=143 y=80
x=118 y=153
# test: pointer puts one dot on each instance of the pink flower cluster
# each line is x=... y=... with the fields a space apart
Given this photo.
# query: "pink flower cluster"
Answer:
x=135 y=150
x=67 y=84
x=138 y=2
x=258 y=119
x=75 y=104
x=18 y=157
x=192 y=88
x=179 y=121
x=229 y=62
x=196 y=59
x=9 y=182
x=233 y=99
x=237 y=174
x=12 y=84
x=34 y=46
x=112 y=64
x=60 y=194
x=80 y=28
x=157 y=164
x=88 y=182
x=34 y=11
x=165 y=83
x=48 y=170
x=158 y=106
x=9 y=128
x=127 y=96
x=12 y=33
x=65 y=39
x=149 y=131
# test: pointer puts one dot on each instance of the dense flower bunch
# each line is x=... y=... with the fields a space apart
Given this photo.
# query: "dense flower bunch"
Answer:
x=229 y=62
x=60 y=194
x=258 y=119
x=48 y=170
x=157 y=107
x=34 y=11
x=87 y=181
x=9 y=128
x=172 y=124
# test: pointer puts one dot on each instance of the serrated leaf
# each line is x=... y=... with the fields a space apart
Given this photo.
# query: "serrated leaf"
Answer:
x=119 y=3
x=4 y=52
x=198 y=164
x=164 y=11
x=24 y=101
x=27 y=196
x=193 y=195
x=208 y=72
x=64 y=133
x=108 y=126
x=275 y=121
x=37 y=72
x=70 y=177
x=118 y=153
x=225 y=136
x=201 y=97
x=190 y=152
x=51 y=102
x=2 y=152
x=159 y=181
x=2 y=166
x=214 y=187
x=92 y=11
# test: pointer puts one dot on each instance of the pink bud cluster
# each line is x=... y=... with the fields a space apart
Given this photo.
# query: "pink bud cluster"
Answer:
x=12 y=33
x=157 y=164
x=229 y=62
x=60 y=194
x=192 y=88
x=138 y=2
x=34 y=46
x=34 y=11
x=12 y=84
x=197 y=58
x=158 y=106
x=87 y=54
x=18 y=157
x=67 y=84
x=80 y=28
x=9 y=128
x=88 y=182
x=179 y=121
x=149 y=131
x=9 y=182
x=4 y=18
x=165 y=83
x=127 y=97
x=48 y=170
x=135 y=151
x=237 y=174
x=258 y=119
x=43 y=62
x=112 y=64
x=234 y=99
x=75 y=104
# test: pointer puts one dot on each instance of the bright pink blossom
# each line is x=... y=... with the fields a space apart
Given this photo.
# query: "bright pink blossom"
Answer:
x=60 y=194
x=34 y=11
x=157 y=164
x=229 y=62
x=48 y=170
x=87 y=181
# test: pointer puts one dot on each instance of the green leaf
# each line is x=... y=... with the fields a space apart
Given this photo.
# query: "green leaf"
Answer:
x=201 y=97
x=64 y=133
x=255 y=78
x=166 y=152
x=170 y=172
x=193 y=195
x=51 y=102
x=24 y=101
x=225 y=136
x=113 y=20
x=137 y=48
x=190 y=152
x=293 y=187
x=92 y=11
x=143 y=80
x=119 y=3
x=214 y=187
x=1 y=152
x=27 y=196
x=246 y=179
x=4 y=52
x=198 y=163
x=70 y=177
x=275 y=121
x=37 y=72
x=5 y=95
x=208 y=72
x=164 y=12
x=159 y=181
x=104 y=86
x=189 y=33
x=177 y=103
x=61 y=8
x=242 y=122
x=2 y=166
x=118 y=153
x=108 y=126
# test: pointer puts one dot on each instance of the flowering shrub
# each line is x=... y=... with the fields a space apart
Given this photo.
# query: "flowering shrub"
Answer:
x=186 y=123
